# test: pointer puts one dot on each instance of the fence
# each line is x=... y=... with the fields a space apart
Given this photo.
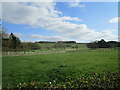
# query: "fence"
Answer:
x=52 y=52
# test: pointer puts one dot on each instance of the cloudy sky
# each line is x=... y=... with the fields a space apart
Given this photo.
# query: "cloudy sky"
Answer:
x=61 y=21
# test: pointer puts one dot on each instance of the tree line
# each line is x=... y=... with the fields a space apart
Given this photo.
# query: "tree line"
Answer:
x=103 y=44
x=67 y=42
x=13 y=43
x=10 y=42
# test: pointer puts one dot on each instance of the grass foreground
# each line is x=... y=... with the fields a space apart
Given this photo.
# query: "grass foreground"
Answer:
x=62 y=70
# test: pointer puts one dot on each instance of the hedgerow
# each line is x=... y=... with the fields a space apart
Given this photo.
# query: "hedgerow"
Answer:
x=105 y=80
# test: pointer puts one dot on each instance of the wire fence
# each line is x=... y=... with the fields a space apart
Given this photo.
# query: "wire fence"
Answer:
x=38 y=52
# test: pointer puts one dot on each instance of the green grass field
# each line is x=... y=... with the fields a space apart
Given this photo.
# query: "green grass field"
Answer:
x=44 y=47
x=45 y=68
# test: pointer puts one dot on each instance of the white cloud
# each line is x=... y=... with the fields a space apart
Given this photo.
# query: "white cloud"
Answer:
x=46 y=16
x=18 y=34
x=69 y=18
x=51 y=38
x=76 y=3
x=115 y=20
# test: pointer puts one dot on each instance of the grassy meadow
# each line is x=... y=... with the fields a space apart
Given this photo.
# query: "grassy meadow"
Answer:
x=48 y=48
x=47 y=68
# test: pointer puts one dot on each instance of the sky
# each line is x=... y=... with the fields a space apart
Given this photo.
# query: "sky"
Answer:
x=61 y=21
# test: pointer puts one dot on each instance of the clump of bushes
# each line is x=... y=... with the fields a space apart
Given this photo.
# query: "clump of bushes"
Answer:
x=90 y=81
x=103 y=44
x=27 y=85
x=105 y=80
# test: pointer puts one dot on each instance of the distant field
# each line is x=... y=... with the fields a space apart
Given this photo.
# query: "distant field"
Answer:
x=48 y=48
x=51 y=46
x=44 y=68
